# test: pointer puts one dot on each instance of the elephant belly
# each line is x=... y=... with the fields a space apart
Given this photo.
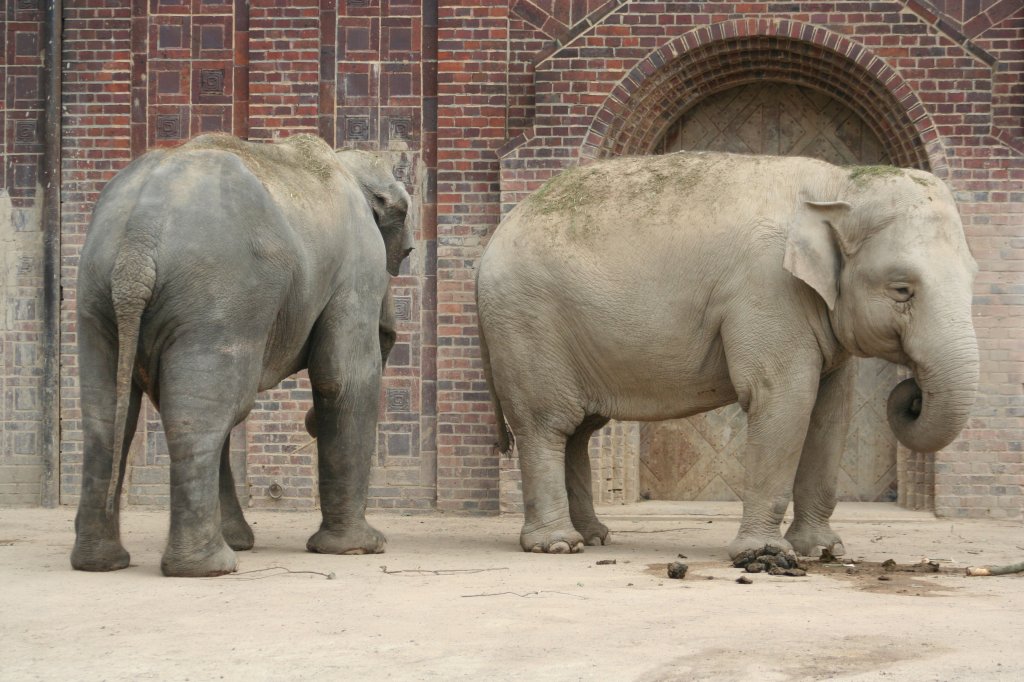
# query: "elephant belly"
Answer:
x=639 y=385
x=287 y=352
x=672 y=400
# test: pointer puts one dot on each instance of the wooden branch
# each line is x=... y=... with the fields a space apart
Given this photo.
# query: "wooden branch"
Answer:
x=441 y=571
x=996 y=570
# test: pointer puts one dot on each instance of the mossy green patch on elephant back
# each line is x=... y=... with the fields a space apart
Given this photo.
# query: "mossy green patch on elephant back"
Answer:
x=304 y=153
x=862 y=175
x=575 y=197
x=565 y=192
x=581 y=199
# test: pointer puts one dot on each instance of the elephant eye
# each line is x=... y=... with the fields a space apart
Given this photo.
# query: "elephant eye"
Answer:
x=901 y=292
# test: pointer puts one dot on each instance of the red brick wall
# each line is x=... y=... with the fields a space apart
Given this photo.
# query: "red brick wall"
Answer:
x=475 y=104
x=21 y=250
x=472 y=98
x=358 y=72
x=97 y=101
x=941 y=89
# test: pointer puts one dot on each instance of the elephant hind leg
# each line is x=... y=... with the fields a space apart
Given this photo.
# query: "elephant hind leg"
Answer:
x=548 y=527
x=204 y=393
x=97 y=535
x=578 y=482
x=237 y=533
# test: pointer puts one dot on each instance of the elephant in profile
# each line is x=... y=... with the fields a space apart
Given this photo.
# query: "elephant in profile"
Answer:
x=212 y=271
x=664 y=286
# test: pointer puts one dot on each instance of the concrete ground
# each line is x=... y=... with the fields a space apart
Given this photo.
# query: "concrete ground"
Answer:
x=455 y=599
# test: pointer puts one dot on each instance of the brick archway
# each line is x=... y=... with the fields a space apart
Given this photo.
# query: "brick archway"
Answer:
x=713 y=58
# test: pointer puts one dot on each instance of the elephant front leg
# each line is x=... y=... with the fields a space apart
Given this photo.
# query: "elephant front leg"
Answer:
x=814 y=493
x=778 y=416
x=345 y=373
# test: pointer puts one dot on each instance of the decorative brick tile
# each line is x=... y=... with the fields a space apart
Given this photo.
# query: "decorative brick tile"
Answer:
x=212 y=38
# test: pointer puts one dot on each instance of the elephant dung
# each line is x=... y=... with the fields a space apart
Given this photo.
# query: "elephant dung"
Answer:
x=769 y=559
x=677 y=570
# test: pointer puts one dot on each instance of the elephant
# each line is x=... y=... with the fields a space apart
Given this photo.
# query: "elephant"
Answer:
x=212 y=271
x=659 y=287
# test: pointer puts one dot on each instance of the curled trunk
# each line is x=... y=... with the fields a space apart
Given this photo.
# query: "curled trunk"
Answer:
x=928 y=412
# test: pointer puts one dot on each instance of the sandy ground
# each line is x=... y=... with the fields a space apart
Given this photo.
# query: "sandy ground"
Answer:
x=458 y=600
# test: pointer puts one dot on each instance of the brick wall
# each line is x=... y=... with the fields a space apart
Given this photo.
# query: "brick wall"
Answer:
x=97 y=102
x=21 y=251
x=475 y=104
x=360 y=73
x=937 y=84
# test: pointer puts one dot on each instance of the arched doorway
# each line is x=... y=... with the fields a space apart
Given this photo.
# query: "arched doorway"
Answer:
x=775 y=118
x=701 y=458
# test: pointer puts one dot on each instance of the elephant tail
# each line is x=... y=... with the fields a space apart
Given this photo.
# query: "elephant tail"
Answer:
x=506 y=441
x=131 y=287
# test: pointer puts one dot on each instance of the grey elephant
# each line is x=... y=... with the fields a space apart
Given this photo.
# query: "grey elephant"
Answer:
x=212 y=271
x=661 y=287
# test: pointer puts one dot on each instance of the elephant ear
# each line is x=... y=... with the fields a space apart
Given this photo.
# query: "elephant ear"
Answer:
x=812 y=248
x=388 y=200
x=390 y=206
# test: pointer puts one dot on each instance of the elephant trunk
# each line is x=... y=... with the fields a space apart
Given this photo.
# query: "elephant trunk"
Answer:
x=928 y=412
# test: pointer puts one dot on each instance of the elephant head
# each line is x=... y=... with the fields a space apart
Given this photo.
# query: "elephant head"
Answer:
x=888 y=256
x=388 y=200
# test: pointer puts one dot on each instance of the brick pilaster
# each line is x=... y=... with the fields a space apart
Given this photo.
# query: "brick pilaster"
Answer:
x=97 y=144
x=471 y=126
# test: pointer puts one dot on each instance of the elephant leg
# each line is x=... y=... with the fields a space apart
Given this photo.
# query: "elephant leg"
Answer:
x=237 y=532
x=97 y=536
x=548 y=526
x=778 y=414
x=345 y=372
x=578 y=482
x=203 y=395
x=814 y=493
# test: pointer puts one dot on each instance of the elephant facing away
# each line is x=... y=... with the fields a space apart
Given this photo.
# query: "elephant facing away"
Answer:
x=212 y=271
x=661 y=287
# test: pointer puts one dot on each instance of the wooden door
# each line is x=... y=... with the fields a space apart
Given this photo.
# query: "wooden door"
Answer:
x=701 y=458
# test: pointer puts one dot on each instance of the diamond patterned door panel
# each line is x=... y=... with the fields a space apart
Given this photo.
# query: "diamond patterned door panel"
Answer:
x=701 y=458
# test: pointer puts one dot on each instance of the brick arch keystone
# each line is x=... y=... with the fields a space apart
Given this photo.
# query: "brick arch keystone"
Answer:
x=713 y=58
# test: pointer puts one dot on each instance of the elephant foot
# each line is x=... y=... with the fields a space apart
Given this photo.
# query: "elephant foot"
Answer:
x=593 y=531
x=99 y=555
x=746 y=542
x=361 y=538
x=217 y=558
x=237 y=534
x=554 y=538
x=810 y=541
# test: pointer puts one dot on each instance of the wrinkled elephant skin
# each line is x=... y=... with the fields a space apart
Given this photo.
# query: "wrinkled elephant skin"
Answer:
x=212 y=271
x=664 y=286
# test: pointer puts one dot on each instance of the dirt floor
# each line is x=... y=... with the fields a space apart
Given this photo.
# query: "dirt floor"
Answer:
x=455 y=599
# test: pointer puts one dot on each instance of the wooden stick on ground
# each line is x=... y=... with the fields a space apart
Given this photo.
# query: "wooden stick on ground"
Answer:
x=996 y=570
